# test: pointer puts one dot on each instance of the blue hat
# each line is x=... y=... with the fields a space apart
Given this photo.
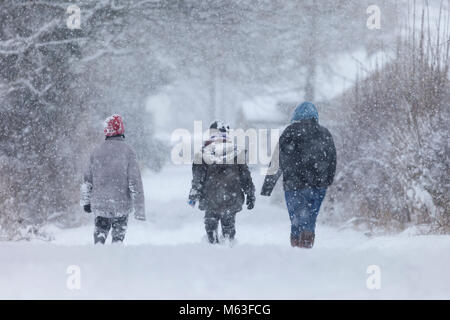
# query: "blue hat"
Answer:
x=304 y=111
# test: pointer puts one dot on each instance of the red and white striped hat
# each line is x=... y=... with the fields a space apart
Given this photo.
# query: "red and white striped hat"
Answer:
x=114 y=126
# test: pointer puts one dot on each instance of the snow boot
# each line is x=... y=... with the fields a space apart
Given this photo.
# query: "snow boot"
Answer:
x=119 y=228
x=212 y=237
x=227 y=239
x=102 y=227
x=294 y=241
x=306 y=239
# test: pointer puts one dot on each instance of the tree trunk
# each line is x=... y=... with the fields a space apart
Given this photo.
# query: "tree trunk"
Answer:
x=311 y=52
x=212 y=94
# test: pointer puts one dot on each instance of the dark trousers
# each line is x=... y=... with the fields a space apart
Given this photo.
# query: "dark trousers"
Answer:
x=103 y=225
x=227 y=219
x=303 y=206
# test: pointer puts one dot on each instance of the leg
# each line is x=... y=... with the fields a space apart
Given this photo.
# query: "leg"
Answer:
x=312 y=199
x=119 y=228
x=293 y=205
x=102 y=226
x=228 y=221
x=211 y=225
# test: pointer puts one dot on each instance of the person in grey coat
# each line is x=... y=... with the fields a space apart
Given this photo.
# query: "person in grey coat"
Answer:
x=112 y=185
x=221 y=183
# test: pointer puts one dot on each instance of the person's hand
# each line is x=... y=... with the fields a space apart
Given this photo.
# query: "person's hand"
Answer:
x=87 y=208
x=192 y=203
x=250 y=202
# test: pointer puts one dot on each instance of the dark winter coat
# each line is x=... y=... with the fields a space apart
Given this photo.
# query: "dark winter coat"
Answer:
x=307 y=158
x=112 y=183
x=219 y=181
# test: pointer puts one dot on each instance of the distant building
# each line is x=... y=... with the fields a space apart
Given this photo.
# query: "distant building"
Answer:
x=265 y=112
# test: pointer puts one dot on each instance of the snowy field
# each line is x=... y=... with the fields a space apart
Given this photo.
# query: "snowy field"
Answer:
x=166 y=257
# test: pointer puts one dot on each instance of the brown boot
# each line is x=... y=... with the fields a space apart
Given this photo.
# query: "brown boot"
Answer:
x=306 y=239
x=294 y=241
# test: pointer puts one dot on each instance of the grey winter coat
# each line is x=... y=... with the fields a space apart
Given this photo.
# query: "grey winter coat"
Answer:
x=112 y=182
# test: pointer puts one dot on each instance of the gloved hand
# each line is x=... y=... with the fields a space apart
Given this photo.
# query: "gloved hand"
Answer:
x=87 y=208
x=192 y=203
x=250 y=202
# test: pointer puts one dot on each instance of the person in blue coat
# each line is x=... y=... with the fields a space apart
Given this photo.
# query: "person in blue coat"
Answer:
x=307 y=162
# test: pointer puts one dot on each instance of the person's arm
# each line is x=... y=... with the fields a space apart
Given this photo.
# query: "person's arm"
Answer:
x=136 y=188
x=247 y=185
x=269 y=183
x=86 y=188
x=333 y=161
x=198 y=178
x=273 y=172
x=286 y=143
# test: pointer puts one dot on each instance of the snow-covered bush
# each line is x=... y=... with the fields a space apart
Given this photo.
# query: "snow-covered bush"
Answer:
x=393 y=168
x=51 y=108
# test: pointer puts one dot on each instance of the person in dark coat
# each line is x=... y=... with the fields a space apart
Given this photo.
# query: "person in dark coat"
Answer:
x=221 y=183
x=306 y=157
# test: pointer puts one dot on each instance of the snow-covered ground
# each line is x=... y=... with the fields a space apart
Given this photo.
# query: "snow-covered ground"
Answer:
x=167 y=258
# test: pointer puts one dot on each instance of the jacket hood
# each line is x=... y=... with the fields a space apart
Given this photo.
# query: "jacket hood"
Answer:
x=304 y=111
x=220 y=150
x=220 y=126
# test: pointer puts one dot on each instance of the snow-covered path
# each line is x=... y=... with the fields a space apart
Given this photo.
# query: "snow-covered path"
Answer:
x=167 y=258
